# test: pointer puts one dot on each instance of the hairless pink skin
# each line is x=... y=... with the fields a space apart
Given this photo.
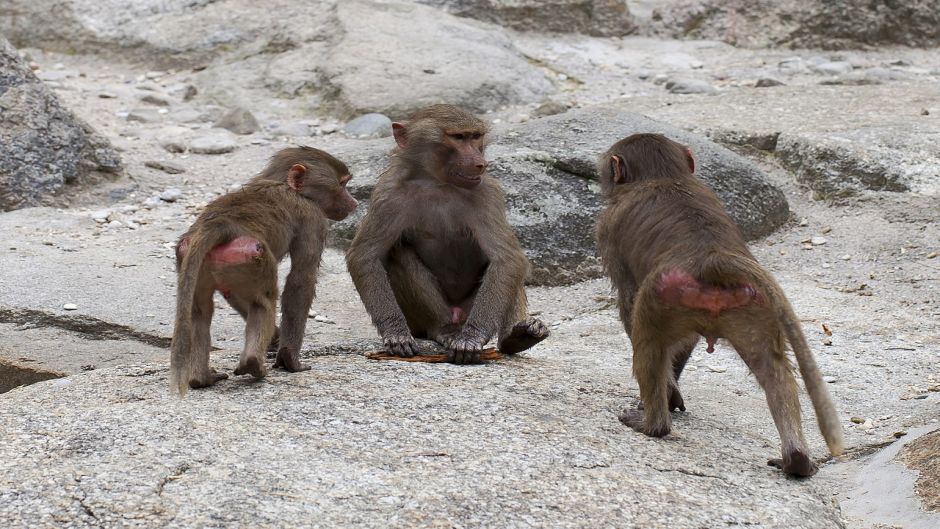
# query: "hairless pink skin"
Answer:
x=237 y=251
x=676 y=287
x=679 y=288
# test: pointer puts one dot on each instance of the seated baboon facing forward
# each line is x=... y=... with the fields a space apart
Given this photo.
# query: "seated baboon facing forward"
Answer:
x=435 y=256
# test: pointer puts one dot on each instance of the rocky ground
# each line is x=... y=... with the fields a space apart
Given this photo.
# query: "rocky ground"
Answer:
x=86 y=300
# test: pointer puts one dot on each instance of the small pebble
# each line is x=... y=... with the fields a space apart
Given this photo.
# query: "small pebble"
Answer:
x=829 y=380
x=322 y=319
x=101 y=216
x=846 y=257
x=932 y=255
x=70 y=306
x=817 y=241
x=804 y=222
x=857 y=420
x=165 y=166
x=717 y=369
x=171 y=195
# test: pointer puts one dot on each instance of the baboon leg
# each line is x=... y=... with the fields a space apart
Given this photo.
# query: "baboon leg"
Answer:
x=679 y=358
x=420 y=296
x=203 y=308
x=519 y=331
x=261 y=298
x=767 y=359
x=652 y=367
x=241 y=306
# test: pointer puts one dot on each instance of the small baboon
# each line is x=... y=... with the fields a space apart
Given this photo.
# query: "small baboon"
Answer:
x=234 y=248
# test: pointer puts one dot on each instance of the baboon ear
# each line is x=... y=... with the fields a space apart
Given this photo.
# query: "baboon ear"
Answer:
x=295 y=177
x=400 y=133
x=690 y=160
x=618 y=171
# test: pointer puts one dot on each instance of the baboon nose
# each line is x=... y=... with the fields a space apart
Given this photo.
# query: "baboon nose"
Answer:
x=482 y=165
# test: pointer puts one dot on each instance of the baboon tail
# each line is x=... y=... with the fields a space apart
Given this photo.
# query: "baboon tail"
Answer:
x=181 y=357
x=826 y=415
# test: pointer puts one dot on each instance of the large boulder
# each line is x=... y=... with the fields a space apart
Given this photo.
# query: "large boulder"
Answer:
x=288 y=58
x=386 y=57
x=162 y=32
x=396 y=57
x=547 y=168
x=43 y=146
x=835 y=24
x=594 y=17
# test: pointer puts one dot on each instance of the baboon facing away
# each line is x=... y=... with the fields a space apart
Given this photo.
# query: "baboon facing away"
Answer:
x=234 y=248
x=682 y=270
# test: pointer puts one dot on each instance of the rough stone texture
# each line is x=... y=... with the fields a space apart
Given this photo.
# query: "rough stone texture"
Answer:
x=168 y=32
x=213 y=141
x=835 y=168
x=595 y=17
x=546 y=167
x=239 y=121
x=350 y=443
x=369 y=126
x=689 y=86
x=835 y=24
x=390 y=60
x=923 y=457
x=383 y=57
x=43 y=146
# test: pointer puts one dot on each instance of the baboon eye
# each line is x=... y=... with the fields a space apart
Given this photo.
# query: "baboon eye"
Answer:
x=459 y=136
x=477 y=135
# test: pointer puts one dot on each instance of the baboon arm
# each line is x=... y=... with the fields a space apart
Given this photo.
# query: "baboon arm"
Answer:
x=502 y=280
x=300 y=286
x=365 y=260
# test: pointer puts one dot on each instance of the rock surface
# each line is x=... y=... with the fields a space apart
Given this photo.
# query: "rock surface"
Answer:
x=369 y=126
x=43 y=146
x=831 y=24
x=595 y=17
x=328 y=447
x=167 y=32
x=239 y=121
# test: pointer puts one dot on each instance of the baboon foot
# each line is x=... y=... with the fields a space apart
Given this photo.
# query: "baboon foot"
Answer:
x=796 y=463
x=289 y=361
x=253 y=366
x=206 y=380
x=523 y=335
x=636 y=419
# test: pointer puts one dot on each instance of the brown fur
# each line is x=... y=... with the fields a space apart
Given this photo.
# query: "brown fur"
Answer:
x=271 y=219
x=435 y=256
x=682 y=270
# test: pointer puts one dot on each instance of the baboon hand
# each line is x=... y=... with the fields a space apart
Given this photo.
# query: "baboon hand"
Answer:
x=466 y=346
x=403 y=345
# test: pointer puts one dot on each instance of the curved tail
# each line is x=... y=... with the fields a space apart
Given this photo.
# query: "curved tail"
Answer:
x=826 y=415
x=719 y=265
x=181 y=357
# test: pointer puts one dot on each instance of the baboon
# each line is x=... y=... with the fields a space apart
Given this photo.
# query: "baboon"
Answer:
x=435 y=256
x=682 y=270
x=234 y=248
